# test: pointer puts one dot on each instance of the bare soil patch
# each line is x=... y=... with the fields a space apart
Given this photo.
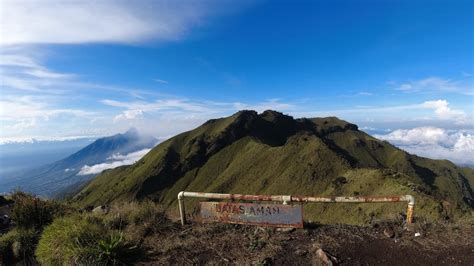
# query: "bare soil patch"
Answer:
x=344 y=244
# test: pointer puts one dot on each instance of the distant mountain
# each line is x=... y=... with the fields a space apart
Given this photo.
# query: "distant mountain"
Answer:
x=21 y=156
x=80 y=167
x=272 y=153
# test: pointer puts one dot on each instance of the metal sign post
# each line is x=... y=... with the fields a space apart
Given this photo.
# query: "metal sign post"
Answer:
x=285 y=199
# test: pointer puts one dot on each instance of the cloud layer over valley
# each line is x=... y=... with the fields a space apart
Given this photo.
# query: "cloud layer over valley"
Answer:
x=113 y=161
x=435 y=143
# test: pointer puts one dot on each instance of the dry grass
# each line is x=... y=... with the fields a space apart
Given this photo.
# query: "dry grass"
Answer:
x=214 y=244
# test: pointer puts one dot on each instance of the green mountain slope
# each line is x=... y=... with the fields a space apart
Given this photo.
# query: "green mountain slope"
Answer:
x=271 y=153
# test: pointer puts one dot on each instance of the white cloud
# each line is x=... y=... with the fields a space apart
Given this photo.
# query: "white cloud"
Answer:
x=170 y=116
x=18 y=60
x=443 y=111
x=20 y=72
x=32 y=108
x=435 y=143
x=179 y=108
x=26 y=117
x=46 y=74
x=437 y=84
x=105 y=21
x=416 y=136
x=129 y=115
x=137 y=109
x=114 y=161
x=22 y=124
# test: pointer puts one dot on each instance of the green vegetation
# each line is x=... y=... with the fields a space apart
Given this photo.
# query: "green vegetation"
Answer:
x=30 y=212
x=30 y=215
x=113 y=238
x=18 y=245
x=82 y=240
x=52 y=233
x=272 y=153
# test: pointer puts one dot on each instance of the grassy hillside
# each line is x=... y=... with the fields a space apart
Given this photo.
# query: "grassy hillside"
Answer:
x=271 y=153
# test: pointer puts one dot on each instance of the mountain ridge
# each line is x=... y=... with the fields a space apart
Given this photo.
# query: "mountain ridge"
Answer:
x=272 y=153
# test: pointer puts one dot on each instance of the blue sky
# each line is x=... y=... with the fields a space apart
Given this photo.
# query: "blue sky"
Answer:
x=400 y=69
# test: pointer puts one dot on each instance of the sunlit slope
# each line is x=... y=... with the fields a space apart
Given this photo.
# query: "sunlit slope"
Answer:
x=272 y=153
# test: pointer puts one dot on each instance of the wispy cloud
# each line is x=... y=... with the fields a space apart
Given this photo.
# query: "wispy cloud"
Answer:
x=437 y=84
x=13 y=59
x=29 y=117
x=169 y=116
x=440 y=111
x=163 y=105
x=162 y=81
x=73 y=22
x=272 y=104
x=185 y=107
x=27 y=107
x=20 y=71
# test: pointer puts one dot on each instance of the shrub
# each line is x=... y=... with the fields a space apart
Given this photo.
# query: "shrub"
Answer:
x=113 y=248
x=6 y=243
x=99 y=238
x=30 y=212
x=18 y=245
x=30 y=215
x=82 y=240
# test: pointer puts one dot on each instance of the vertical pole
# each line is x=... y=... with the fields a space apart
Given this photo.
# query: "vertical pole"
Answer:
x=410 y=209
x=181 y=207
x=286 y=199
x=410 y=213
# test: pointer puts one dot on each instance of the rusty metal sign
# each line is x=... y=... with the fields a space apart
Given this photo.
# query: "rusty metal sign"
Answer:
x=277 y=215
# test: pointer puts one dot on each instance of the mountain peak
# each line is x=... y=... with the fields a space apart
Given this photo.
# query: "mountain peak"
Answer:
x=131 y=132
x=273 y=116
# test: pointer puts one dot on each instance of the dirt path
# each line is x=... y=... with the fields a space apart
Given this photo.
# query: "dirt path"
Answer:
x=346 y=245
x=372 y=248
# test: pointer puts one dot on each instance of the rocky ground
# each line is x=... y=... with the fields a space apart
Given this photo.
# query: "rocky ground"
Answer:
x=379 y=244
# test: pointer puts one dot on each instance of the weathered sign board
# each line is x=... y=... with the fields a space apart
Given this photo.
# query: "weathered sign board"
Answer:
x=277 y=215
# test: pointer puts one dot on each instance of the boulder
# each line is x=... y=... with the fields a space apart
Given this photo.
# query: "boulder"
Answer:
x=5 y=221
x=322 y=258
x=388 y=232
x=104 y=209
